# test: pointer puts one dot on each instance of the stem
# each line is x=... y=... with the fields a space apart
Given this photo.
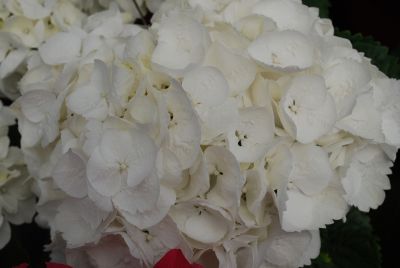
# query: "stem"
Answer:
x=140 y=13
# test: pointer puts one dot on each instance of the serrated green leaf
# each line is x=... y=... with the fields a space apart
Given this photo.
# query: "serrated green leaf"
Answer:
x=323 y=6
x=380 y=55
x=349 y=245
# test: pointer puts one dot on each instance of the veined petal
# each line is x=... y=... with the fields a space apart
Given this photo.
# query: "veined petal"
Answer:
x=68 y=43
x=249 y=140
x=286 y=51
x=206 y=85
x=182 y=42
x=239 y=71
x=70 y=175
x=311 y=171
x=307 y=109
x=104 y=176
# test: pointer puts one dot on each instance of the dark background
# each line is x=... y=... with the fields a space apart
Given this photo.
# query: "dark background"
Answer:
x=379 y=19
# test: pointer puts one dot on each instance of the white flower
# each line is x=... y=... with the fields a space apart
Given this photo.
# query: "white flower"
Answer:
x=287 y=51
x=80 y=221
x=311 y=171
x=182 y=43
x=5 y=232
x=365 y=120
x=250 y=139
x=66 y=16
x=239 y=71
x=90 y=99
x=365 y=178
x=206 y=85
x=282 y=249
x=183 y=125
x=29 y=32
x=386 y=100
x=122 y=156
x=226 y=181
x=68 y=43
x=317 y=210
x=149 y=245
x=31 y=9
x=10 y=57
x=70 y=174
x=39 y=117
x=307 y=109
x=253 y=201
x=202 y=222
x=345 y=80
x=110 y=251
x=208 y=90
x=232 y=130
x=288 y=14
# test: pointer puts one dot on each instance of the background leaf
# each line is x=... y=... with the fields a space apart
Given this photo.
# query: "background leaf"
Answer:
x=349 y=245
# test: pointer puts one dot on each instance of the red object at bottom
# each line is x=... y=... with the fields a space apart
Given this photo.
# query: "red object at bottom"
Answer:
x=175 y=259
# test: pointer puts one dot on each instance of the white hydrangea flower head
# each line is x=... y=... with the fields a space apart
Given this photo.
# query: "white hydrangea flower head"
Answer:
x=232 y=130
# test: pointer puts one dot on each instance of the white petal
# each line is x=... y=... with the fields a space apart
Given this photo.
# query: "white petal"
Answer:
x=307 y=109
x=103 y=175
x=225 y=177
x=285 y=51
x=218 y=119
x=198 y=180
x=33 y=10
x=131 y=202
x=89 y=100
x=169 y=168
x=37 y=105
x=287 y=14
x=184 y=127
x=311 y=171
x=239 y=71
x=278 y=164
x=202 y=224
x=206 y=85
x=305 y=212
x=365 y=179
x=5 y=232
x=345 y=80
x=111 y=251
x=78 y=221
x=282 y=249
x=70 y=175
x=60 y=48
x=386 y=93
x=365 y=120
x=12 y=62
x=182 y=42
x=249 y=141
x=130 y=151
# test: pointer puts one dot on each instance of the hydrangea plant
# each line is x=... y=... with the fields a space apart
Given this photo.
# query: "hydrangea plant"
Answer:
x=233 y=130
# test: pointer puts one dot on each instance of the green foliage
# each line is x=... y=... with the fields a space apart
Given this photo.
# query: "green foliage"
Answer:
x=323 y=6
x=387 y=62
x=349 y=245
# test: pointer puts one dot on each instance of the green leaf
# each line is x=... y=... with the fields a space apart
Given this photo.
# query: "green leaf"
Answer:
x=380 y=55
x=349 y=245
x=323 y=6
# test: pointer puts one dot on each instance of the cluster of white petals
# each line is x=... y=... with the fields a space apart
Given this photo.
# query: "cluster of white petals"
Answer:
x=17 y=202
x=231 y=129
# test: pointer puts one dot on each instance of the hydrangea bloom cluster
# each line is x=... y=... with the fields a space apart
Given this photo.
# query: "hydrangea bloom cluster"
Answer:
x=231 y=129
